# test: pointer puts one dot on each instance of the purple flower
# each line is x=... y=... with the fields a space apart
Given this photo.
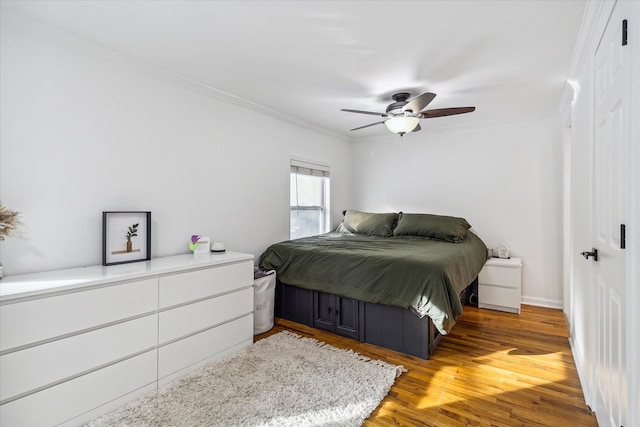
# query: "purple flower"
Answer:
x=195 y=238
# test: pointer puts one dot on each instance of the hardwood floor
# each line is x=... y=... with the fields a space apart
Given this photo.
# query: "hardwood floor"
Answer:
x=493 y=369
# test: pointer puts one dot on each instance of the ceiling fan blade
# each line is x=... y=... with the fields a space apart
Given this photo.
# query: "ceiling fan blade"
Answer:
x=441 y=112
x=366 y=126
x=417 y=128
x=364 y=112
x=419 y=102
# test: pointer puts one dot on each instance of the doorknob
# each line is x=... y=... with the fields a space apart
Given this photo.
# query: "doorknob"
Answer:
x=593 y=253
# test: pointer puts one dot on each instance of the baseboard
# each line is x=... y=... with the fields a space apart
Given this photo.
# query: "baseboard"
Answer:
x=566 y=321
x=541 y=302
x=579 y=362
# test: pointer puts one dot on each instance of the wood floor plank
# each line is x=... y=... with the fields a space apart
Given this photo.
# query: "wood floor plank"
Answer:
x=493 y=369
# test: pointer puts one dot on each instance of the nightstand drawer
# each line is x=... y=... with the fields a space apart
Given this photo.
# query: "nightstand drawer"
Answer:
x=500 y=276
x=490 y=296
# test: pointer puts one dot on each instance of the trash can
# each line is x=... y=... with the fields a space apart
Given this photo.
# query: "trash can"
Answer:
x=264 y=295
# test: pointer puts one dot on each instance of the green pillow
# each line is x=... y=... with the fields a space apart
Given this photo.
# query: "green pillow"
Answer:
x=371 y=224
x=448 y=228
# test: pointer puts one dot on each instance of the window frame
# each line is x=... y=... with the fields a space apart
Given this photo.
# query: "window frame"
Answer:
x=300 y=167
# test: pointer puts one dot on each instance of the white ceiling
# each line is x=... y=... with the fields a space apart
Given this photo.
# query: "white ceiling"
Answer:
x=305 y=60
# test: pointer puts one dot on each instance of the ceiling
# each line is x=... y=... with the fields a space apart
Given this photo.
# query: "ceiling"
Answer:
x=305 y=60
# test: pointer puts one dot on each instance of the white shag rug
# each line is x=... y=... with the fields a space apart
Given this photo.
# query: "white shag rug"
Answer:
x=281 y=380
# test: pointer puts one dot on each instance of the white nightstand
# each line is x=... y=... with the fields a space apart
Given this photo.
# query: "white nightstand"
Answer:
x=499 y=285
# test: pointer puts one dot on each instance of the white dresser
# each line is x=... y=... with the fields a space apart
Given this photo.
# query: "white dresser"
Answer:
x=77 y=343
x=500 y=285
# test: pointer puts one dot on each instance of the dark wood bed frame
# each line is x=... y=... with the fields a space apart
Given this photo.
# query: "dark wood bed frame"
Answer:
x=383 y=325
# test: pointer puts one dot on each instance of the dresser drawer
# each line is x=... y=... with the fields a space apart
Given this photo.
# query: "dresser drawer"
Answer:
x=38 y=366
x=27 y=322
x=184 y=287
x=191 y=350
x=60 y=403
x=188 y=319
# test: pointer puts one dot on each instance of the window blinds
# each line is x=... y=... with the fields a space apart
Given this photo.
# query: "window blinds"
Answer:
x=305 y=168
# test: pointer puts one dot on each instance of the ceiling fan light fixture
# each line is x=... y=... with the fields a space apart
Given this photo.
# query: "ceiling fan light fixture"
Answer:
x=403 y=115
x=401 y=124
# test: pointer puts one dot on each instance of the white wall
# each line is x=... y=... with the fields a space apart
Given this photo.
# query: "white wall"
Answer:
x=506 y=180
x=86 y=130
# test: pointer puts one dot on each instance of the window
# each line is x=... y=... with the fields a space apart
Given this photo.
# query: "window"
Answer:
x=309 y=201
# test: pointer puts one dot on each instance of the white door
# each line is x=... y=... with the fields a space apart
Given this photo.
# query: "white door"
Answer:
x=611 y=174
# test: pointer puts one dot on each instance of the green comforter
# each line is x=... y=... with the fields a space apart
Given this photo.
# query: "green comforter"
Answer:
x=425 y=276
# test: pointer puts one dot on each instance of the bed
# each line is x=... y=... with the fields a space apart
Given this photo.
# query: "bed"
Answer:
x=395 y=280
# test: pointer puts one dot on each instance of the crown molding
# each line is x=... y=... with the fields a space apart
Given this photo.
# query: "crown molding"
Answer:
x=73 y=39
x=221 y=95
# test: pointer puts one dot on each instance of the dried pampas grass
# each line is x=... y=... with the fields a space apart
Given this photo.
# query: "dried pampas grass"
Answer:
x=8 y=222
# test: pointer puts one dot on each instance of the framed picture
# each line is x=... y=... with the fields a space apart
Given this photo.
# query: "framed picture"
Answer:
x=126 y=237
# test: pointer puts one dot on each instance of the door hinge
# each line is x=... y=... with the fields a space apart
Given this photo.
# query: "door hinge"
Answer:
x=624 y=32
x=623 y=236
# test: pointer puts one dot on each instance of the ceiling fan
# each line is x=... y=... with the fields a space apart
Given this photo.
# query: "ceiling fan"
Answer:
x=403 y=115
